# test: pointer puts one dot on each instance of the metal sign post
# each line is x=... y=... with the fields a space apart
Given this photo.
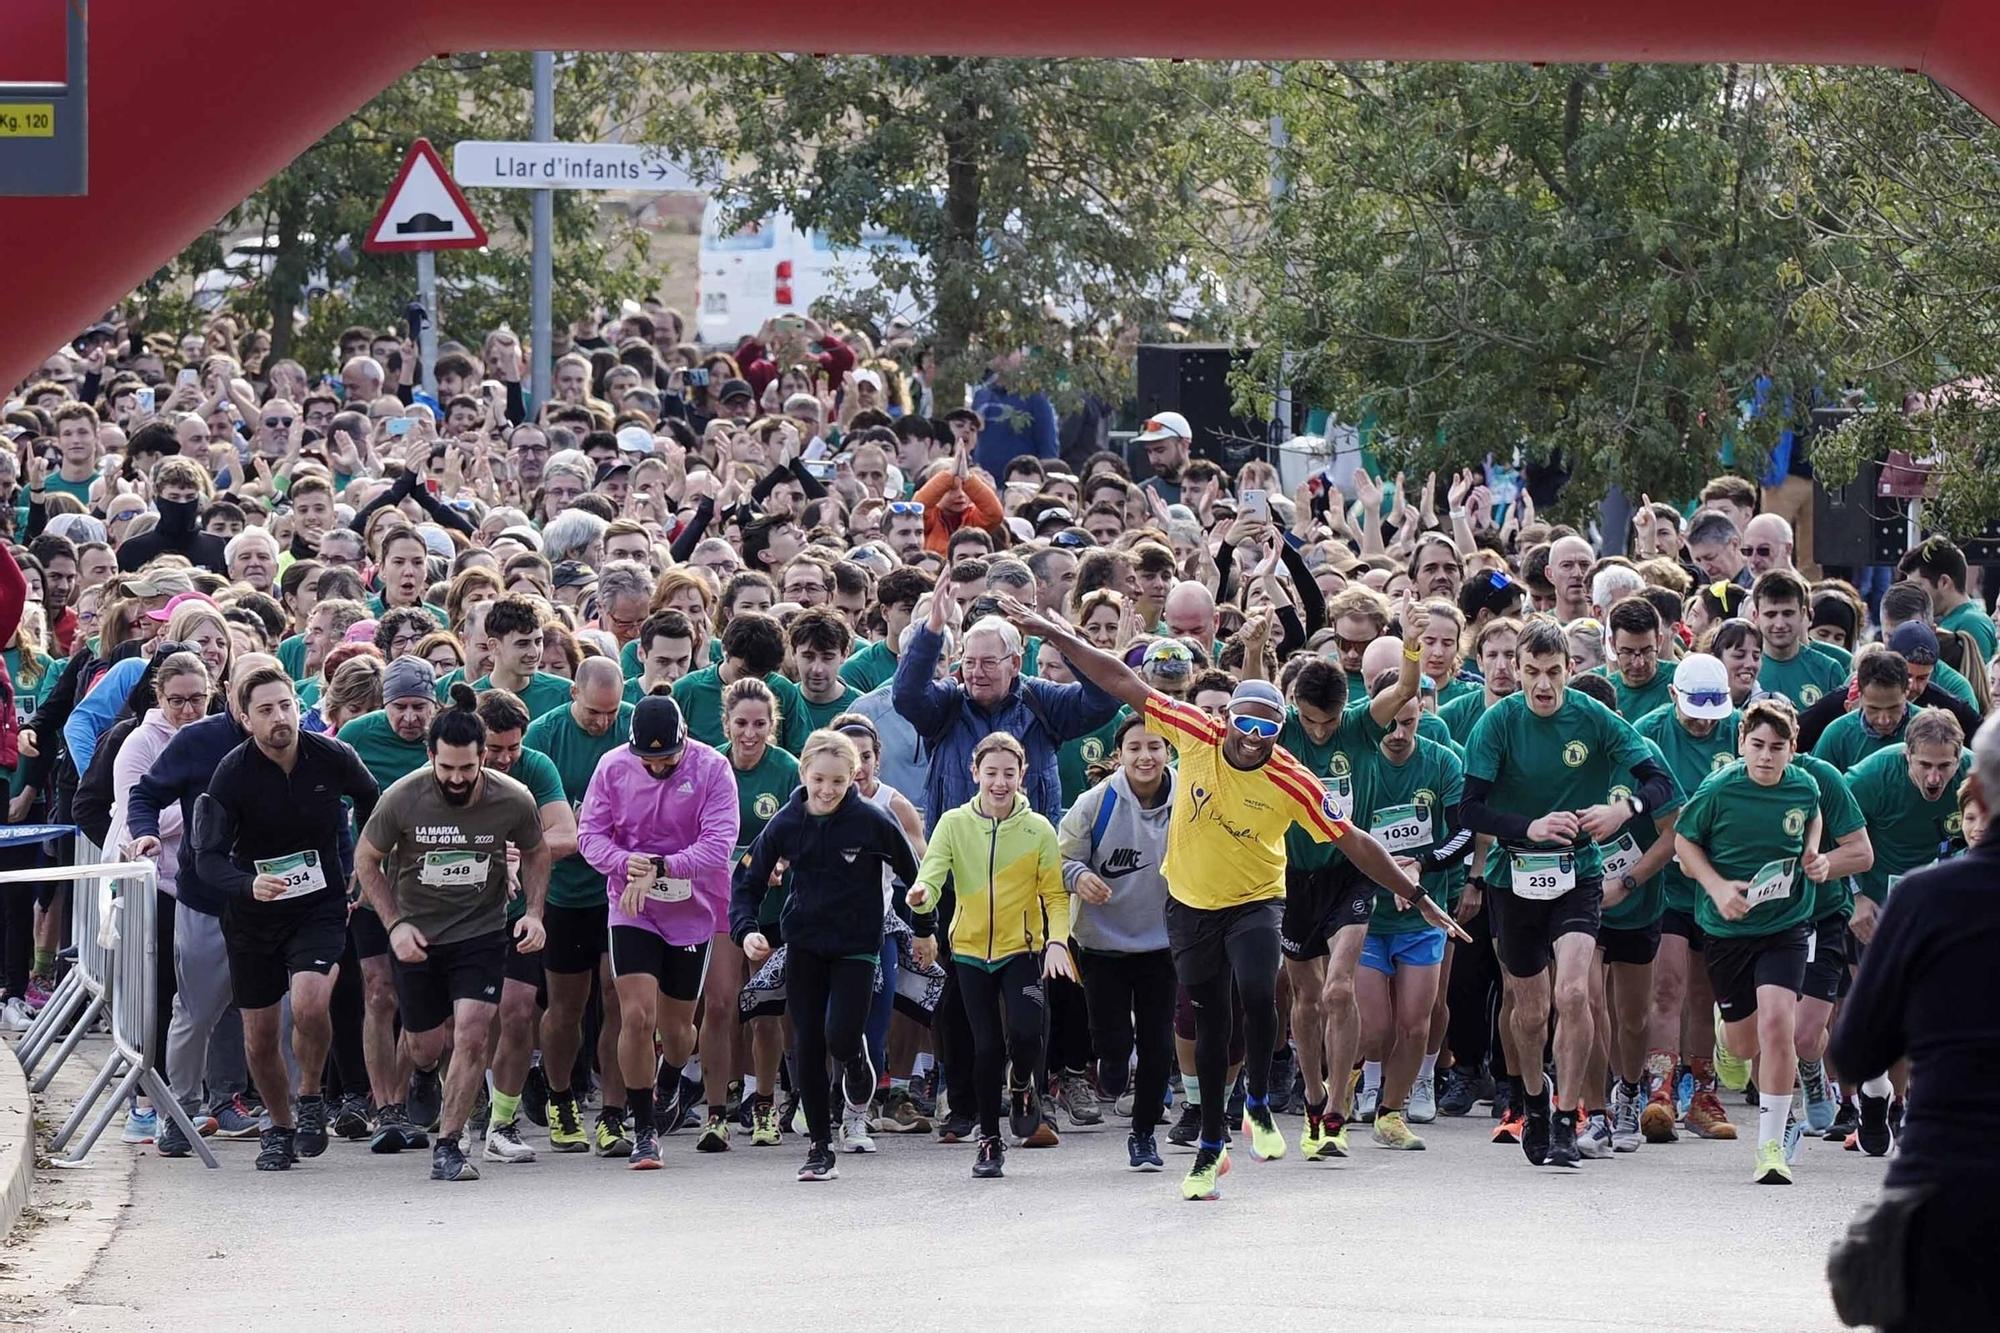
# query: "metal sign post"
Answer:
x=542 y=283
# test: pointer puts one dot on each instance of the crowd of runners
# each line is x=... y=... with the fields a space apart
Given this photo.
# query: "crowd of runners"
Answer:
x=757 y=744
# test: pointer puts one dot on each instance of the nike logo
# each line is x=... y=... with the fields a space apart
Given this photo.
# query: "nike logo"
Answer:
x=1125 y=861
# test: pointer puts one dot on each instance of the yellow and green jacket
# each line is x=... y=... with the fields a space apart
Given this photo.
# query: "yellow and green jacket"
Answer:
x=1007 y=877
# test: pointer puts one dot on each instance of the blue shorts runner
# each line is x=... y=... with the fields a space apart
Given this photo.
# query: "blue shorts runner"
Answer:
x=1409 y=948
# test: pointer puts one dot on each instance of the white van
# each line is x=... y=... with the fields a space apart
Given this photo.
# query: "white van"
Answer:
x=772 y=266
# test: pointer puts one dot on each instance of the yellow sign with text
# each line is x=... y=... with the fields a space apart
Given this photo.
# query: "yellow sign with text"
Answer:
x=27 y=120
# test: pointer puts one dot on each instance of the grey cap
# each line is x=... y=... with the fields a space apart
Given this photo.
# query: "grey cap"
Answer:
x=1260 y=692
x=409 y=678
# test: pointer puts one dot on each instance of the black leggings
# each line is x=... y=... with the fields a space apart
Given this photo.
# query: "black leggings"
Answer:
x=166 y=983
x=348 y=1010
x=1131 y=998
x=17 y=920
x=827 y=999
x=1253 y=971
x=1008 y=1015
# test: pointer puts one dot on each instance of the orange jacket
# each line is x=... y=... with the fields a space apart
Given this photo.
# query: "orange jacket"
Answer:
x=984 y=510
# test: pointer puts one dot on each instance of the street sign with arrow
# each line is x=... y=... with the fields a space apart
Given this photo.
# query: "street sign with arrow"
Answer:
x=569 y=166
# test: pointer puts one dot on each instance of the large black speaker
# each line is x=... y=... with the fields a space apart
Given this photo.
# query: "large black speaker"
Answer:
x=1852 y=525
x=1193 y=380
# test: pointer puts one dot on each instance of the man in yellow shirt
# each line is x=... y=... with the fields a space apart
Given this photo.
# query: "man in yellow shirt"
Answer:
x=1237 y=795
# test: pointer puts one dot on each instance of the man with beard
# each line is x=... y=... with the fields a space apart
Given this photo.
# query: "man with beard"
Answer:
x=1436 y=568
x=267 y=837
x=1167 y=439
x=432 y=861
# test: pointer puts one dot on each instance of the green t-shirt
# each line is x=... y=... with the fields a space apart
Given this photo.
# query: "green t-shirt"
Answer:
x=1966 y=615
x=545 y=693
x=1567 y=761
x=1847 y=739
x=574 y=752
x=1908 y=832
x=760 y=793
x=1648 y=900
x=27 y=698
x=1949 y=679
x=1074 y=759
x=1456 y=687
x=699 y=693
x=1839 y=816
x=1409 y=810
x=629 y=663
x=1461 y=713
x=1841 y=657
x=1634 y=702
x=1745 y=827
x=534 y=771
x=292 y=655
x=869 y=667
x=386 y=756
x=378 y=608
x=79 y=489
x=1803 y=679
x=1691 y=759
x=1335 y=763
x=820 y=715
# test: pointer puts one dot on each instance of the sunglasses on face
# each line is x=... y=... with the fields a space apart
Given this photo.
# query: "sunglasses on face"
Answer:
x=904 y=508
x=1069 y=540
x=1348 y=645
x=1263 y=728
x=1705 y=698
x=1760 y=552
x=278 y=423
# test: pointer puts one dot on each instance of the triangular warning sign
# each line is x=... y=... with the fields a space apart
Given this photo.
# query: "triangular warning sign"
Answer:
x=424 y=210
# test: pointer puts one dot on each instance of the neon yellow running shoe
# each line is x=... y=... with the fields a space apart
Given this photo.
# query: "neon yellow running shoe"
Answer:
x=1311 y=1137
x=1332 y=1140
x=1266 y=1143
x=1393 y=1131
x=764 y=1126
x=1732 y=1073
x=1772 y=1168
x=1203 y=1181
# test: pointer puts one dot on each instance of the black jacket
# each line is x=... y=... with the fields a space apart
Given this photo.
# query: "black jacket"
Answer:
x=835 y=907
x=177 y=533
x=253 y=809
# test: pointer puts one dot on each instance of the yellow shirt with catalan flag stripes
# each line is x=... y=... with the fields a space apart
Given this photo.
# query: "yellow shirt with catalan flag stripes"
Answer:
x=1226 y=842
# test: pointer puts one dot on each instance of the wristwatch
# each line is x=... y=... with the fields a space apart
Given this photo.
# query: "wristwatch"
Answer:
x=1629 y=884
x=1638 y=805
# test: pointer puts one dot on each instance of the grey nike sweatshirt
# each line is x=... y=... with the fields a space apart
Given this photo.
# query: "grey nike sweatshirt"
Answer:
x=1127 y=856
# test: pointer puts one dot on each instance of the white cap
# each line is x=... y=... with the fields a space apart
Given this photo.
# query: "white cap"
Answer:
x=872 y=378
x=1165 y=426
x=1700 y=673
x=635 y=439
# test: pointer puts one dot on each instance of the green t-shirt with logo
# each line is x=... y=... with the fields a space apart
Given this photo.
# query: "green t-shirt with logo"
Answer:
x=699 y=694
x=545 y=692
x=869 y=667
x=1747 y=828
x=1335 y=763
x=1691 y=759
x=1566 y=761
x=1647 y=902
x=1409 y=811
x=386 y=756
x=1908 y=832
x=1074 y=759
x=574 y=752
x=1969 y=617
x=1635 y=701
x=761 y=792
x=1839 y=816
x=1847 y=739
x=1804 y=678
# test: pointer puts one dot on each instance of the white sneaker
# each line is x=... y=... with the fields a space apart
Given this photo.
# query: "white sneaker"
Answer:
x=1594 y=1142
x=15 y=1015
x=1423 y=1104
x=503 y=1144
x=1365 y=1102
x=854 y=1135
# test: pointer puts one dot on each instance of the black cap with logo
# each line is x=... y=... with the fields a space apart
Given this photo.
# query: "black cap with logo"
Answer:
x=657 y=729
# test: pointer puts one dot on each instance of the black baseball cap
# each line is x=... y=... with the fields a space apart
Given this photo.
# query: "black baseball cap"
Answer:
x=657 y=729
x=732 y=389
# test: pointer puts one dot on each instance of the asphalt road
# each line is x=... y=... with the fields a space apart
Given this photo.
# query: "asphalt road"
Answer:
x=1464 y=1235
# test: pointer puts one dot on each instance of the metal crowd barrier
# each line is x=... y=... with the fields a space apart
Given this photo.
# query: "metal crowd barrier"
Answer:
x=119 y=978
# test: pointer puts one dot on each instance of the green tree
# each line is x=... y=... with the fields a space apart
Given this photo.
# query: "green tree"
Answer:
x=1028 y=188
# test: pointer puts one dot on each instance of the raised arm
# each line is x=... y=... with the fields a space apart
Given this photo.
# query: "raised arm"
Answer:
x=1102 y=669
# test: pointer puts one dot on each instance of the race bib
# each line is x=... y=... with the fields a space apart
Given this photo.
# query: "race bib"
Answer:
x=1894 y=880
x=1620 y=857
x=454 y=870
x=1340 y=791
x=1543 y=875
x=1402 y=827
x=1773 y=881
x=667 y=889
x=300 y=871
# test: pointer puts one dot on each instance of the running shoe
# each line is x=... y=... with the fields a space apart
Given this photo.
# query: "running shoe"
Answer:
x=714 y=1135
x=504 y=1143
x=1204 y=1178
x=1232 y=1110
x=425 y=1103
x=1510 y=1127
x=954 y=1128
x=1733 y=1073
x=171 y=1142
x=1594 y=1137
x=448 y=1162
x=40 y=991
x=1819 y=1097
x=1365 y=1103
x=535 y=1097
x=1626 y=1134
x=1563 y=1149
x=1279 y=1084
x=854 y=1135
x=566 y=1124
x=857 y=1083
x=1187 y=1130
x=15 y=1016
x=1024 y=1112
x=1772 y=1169
x=142 y=1125
x=1266 y=1143
x=820 y=1164
x=1046 y=1134
x=274 y=1150
x=610 y=1138
x=1795 y=1131
x=794 y=1114
x=668 y=1108
x=1505 y=1099
x=1896 y=1117
x=1461 y=1092
x=1122 y=1106
x=990 y=1163
x=1312 y=1135
x=310 y=1137
x=924 y=1092
x=764 y=1126
x=1143 y=1153
x=906 y=1112
x=1706 y=1119
x=1393 y=1131
x=645 y=1148
x=1536 y=1132
x=1332 y=1138
x=1422 y=1108
x=234 y=1119
x=1656 y=1121
x=1846 y=1120
x=351 y=1120
x=1874 y=1133
x=1078 y=1098
x=394 y=1132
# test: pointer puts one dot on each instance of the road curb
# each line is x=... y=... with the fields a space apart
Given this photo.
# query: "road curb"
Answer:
x=17 y=1140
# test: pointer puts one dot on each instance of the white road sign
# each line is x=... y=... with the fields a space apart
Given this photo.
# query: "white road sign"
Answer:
x=568 y=166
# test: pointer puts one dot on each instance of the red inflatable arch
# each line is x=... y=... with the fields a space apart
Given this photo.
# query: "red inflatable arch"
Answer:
x=194 y=103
